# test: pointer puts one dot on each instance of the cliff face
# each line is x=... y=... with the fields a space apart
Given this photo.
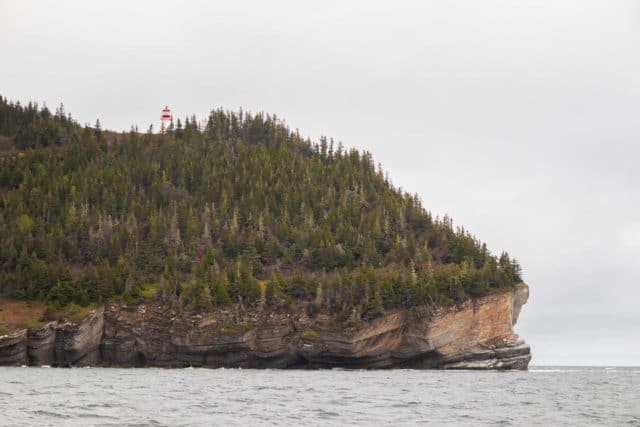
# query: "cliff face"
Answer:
x=56 y=343
x=477 y=334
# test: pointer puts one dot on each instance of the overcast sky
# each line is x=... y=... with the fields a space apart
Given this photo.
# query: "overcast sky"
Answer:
x=520 y=119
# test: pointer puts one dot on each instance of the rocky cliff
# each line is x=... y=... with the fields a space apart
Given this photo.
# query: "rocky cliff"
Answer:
x=477 y=334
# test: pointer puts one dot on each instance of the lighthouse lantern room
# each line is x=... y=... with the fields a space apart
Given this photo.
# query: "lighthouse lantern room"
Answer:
x=165 y=119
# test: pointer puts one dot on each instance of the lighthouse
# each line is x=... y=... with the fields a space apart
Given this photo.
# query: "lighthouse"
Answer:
x=165 y=119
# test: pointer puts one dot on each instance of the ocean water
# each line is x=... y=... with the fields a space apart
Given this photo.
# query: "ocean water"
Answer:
x=173 y=397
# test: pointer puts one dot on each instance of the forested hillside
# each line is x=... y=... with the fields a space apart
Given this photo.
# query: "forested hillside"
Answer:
x=238 y=209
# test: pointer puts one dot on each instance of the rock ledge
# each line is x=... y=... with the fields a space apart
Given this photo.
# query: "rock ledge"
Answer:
x=477 y=334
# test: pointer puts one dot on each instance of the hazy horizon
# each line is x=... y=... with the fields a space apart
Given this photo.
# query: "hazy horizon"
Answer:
x=518 y=120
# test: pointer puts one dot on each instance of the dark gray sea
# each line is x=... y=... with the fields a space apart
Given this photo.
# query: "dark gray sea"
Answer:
x=174 y=397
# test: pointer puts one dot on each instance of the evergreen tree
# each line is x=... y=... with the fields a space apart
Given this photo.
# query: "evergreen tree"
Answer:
x=210 y=211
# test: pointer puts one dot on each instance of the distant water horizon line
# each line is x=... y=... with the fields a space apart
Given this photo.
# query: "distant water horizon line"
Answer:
x=530 y=368
x=559 y=365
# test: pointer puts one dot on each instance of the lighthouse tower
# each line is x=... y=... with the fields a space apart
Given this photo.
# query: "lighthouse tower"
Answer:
x=165 y=119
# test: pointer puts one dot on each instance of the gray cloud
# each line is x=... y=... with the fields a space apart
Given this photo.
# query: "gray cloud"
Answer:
x=519 y=119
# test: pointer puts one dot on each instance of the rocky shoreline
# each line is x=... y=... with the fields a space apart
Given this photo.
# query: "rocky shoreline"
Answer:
x=477 y=334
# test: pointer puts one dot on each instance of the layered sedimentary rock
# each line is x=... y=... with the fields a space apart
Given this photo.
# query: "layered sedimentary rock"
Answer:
x=41 y=344
x=79 y=344
x=56 y=343
x=13 y=348
x=477 y=334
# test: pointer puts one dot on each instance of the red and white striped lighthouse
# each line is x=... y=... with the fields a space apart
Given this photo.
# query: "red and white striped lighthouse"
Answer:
x=165 y=119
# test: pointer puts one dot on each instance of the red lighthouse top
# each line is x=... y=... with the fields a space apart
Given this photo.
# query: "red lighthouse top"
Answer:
x=166 y=113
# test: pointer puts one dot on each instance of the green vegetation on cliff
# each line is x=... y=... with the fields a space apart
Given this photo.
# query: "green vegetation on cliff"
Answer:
x=239 y=209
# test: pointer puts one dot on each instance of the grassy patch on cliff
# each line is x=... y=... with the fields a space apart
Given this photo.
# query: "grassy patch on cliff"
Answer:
x=16 y=314
x=71 y=312
x=229 y=327
x=148 y=290
x=310 y=333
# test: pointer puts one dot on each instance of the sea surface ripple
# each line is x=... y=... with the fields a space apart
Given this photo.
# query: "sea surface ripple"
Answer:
x=176 y=397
